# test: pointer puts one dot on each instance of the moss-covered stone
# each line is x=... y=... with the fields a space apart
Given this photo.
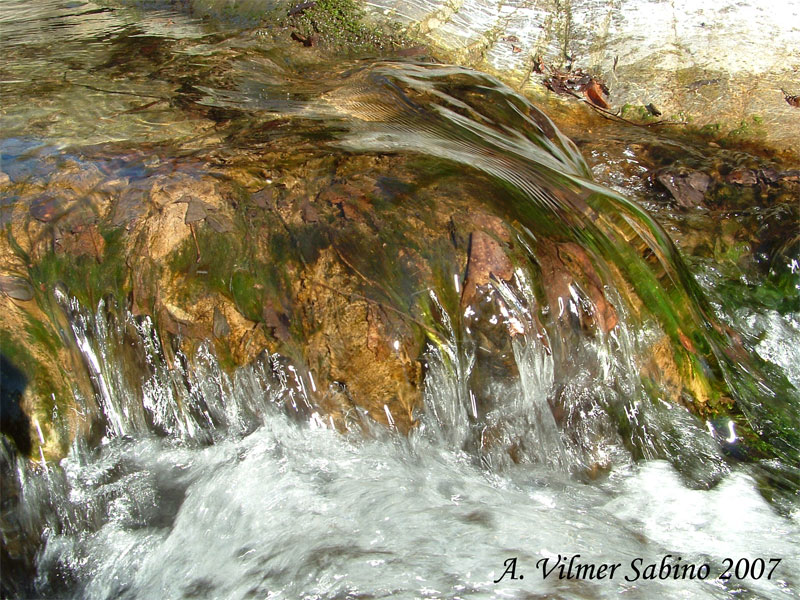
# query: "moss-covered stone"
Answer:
x=342 y=25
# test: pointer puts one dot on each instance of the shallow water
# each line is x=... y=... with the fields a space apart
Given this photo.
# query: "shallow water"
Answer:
x=299 y=512
x=542 y=432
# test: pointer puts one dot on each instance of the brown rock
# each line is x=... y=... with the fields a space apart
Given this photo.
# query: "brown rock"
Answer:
x=79 y=178
x=48 y=207
x=175 y=188
x=130 y=206
x=687 y=188
x=165 y=231
x=369 y=353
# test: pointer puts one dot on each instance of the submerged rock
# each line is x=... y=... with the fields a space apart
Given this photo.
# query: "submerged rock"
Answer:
x=16 y=287
x=687 y=188
x=430 y=217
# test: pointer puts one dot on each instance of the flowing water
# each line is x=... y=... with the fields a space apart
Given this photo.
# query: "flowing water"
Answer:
x=554 y=416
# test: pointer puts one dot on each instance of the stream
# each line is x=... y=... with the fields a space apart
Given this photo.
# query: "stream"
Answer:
x=367 y=325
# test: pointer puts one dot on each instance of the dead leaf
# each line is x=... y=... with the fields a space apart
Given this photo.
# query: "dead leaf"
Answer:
x=790 y=99
x=196 y=211
x=307 y=41
x=299 y=9
x=309 y=214
x=487 y=258
x=219 y=223
x=263 y=198
x=594 y=92
x=651 y=108
x=16 y=287
x=47 y=208
x=686 y=342
x=277 y=322
x=742 y=177
x=413 y=51
x=85 y=241
x=221 y=328
x=687 y=188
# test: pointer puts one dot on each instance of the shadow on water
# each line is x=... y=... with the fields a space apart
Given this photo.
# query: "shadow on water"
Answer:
x=17 y=548
x=13 y=421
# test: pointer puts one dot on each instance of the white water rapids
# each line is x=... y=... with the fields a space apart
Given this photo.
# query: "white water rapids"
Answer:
x=285 y=507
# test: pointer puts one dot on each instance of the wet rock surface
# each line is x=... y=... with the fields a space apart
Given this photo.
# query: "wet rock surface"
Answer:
x=735 y=205
x=344 y=218
x=294 y=265
x=688 y=189
x=329 y=264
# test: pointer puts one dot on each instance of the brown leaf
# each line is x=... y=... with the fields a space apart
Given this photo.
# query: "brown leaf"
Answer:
x=219 y=223
x=594 y=92
x=487 y=258
x=85 y=241
x=742 y=177
x=686 y=342
x=299 y=9
x=556 y=84
x=309 y=214
x=47 y=208
x=307 y=41
x=687 y=188
x=278 y=322
x=130 y=206
x=413 y=51
x=263 y=198
x=791 y=100
x=221 y=328
x=577 y=263
x=196 y=211
x=768 y=175
x=651 y=108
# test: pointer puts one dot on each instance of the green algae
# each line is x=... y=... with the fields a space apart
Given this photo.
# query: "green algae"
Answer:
x=228 y=269
x=87 y=277
x=341 y=24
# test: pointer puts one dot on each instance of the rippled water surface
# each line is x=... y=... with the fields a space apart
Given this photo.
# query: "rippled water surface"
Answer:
x=553 y=419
